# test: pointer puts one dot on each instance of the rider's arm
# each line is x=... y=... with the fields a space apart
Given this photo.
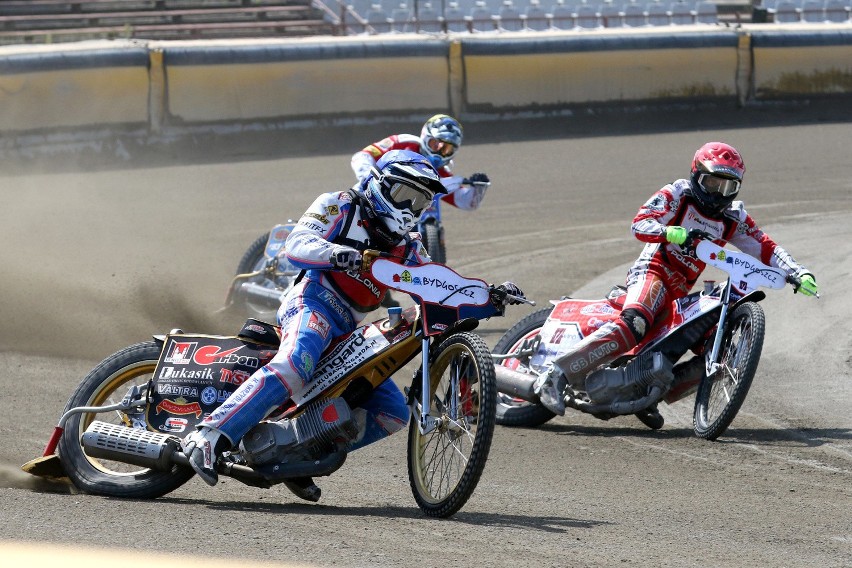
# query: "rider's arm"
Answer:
x=308 y=246
x=750 y=239
x=364 y=160
x=654 y=216
x=464 y=197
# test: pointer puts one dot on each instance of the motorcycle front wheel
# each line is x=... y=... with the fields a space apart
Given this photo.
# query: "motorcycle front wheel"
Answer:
x=433 y=240
x=720 y=396
x=107 y=384
x=444 y=464
x=514 y=411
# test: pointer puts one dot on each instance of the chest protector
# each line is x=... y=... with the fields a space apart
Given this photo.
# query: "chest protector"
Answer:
x=357 y=288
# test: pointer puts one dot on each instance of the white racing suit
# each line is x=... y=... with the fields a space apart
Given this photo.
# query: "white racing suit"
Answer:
x=458 y=195
x=323 y=306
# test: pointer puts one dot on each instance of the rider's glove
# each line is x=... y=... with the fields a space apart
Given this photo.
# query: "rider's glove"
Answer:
x=479 y=178
x=697 y=235
x=346 y=258
x=807 y=285
x=677 y=235
x=502 y=295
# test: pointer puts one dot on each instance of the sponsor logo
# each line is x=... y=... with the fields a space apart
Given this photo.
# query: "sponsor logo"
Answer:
x=439 y=326
x=256 y=328
x=175 y=390
x=173 y=424
x=406 y=277
x=213 y=355
x=333 y=210
x=319 y=324
x=180 y=352
x=311 y=225
x=209 y=396
x=172 y=374
x=179 y=406
x=597 y=309
x=307 y=363
x=321 y=218
x=401 y=336
x=233 y=376
x=374 y=290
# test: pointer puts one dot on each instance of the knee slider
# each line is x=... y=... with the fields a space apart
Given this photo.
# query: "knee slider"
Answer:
x=636 y=322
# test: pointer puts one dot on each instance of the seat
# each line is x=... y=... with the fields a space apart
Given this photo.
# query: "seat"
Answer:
x=535 y=17
x=561 y=16
x=634 y=15
x=401 y=17
x=682 y=14
x=587 y=17
x=428 y=18
x=786 y=12
x=480 y=18
x=455 y=18
x=658 y=14
x=813 y=11
x=706 y=13
x=378 y=19
x=836 y=11
x=610 y=15
x=510 y=17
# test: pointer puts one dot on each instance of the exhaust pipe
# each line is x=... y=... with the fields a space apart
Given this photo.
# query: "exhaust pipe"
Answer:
x=518 y=385
x=269 y=297
x=131 y=445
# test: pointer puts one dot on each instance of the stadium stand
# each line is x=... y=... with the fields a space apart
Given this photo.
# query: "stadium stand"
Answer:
x=46 y=21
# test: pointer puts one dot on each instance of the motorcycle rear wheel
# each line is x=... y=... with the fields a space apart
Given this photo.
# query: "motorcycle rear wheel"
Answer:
x=720 y=397
x=253 y=256
x=444 y=465
x=107 y=384
x=433 y=240
x=513 y=411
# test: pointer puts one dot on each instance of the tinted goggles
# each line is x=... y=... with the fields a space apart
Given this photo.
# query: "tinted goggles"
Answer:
x=718 y=185
x=405 y=196
x=442 y=148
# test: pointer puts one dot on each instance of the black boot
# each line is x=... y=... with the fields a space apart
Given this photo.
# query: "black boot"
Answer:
x=304 y=488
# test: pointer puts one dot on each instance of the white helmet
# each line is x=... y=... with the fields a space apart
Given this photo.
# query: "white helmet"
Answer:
x=400 y=187
x=440 y=137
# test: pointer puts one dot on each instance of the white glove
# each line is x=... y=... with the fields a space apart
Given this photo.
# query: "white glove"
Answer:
x=345 y=258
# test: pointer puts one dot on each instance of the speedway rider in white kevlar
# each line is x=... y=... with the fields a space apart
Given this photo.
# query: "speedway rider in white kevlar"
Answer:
x=439 y=140
x=701 y=207
x=330 y=301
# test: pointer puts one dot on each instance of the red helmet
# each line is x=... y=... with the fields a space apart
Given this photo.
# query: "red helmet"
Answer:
x=717 y=172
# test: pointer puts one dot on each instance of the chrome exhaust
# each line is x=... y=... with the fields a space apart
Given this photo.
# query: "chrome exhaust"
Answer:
x=518 y=385
x=131 y=445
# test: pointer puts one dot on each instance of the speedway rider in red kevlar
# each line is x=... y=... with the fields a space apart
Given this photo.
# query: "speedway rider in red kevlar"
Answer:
x=440 y=138
x=670 y=223
x=330 y=301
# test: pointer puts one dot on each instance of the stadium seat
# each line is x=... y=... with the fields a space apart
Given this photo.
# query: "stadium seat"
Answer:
x=378 y=19
x=682 y=14
x=455 y=18
x=813 y=11
x=480 y=18
x=536 y=17
x=510 y=17
x=786 y=12
x=610 y=14
x=837 y=11
x=706 y=13
x=561 y=16
x=634 y=15
x=428 y=18
x=401 y=16
x=587 y=17
x=658 y=14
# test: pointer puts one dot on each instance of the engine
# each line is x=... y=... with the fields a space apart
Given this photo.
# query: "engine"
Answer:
x=632 y=381
x=324 y=427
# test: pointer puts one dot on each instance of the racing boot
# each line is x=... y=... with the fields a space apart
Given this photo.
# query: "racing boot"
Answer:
x=203 y=447
x=606 y=344
x=304 y=488
x=550 y=387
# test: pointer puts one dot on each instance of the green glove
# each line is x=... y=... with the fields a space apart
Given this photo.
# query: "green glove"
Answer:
x=808 y=287
x=676 y=235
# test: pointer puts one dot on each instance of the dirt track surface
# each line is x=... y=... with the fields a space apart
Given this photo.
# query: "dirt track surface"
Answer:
x=95 y=261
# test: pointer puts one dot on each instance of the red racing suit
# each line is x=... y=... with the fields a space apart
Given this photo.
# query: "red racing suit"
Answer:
x=677 y=266
x=458 y=195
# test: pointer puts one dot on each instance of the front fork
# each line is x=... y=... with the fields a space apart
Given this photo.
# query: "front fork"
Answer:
x=712 y=364
x=426 y=422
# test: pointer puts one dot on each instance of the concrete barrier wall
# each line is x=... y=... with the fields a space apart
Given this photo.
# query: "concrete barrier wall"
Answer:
x=163 y=85
x=626 y=66
x=72 y=88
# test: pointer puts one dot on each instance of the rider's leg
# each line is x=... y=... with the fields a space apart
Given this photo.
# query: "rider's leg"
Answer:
x=307 y=327
x=645 y=297
x=384 y=413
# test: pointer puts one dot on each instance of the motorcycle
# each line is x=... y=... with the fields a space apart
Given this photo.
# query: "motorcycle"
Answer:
x=262 y=277
x=723 y=326
x=120 y=433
